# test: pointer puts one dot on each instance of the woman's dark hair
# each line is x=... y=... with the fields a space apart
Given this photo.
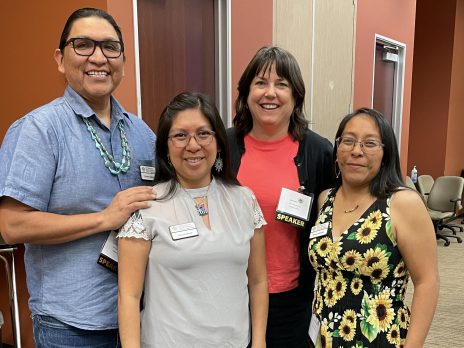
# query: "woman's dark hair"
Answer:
x=389 y=179
x=84 y=13
x=184 y=101
x=286 y=67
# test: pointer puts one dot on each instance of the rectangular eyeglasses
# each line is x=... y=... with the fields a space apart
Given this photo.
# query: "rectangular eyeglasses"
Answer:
x=202 y=137
x=84 y=46
x=367 y=146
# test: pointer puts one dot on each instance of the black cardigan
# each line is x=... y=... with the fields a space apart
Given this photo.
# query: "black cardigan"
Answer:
x=315 y=168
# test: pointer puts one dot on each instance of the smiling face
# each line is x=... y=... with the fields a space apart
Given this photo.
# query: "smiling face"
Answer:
x=356 y=167
x=193 y=162
x=94 y=77
x=271 y=104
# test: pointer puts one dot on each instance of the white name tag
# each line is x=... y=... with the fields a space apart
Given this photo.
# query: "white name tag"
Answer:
x=295 y=204
x=147 y=173
x=109 y=253
x=314 y=329
x=182 y=231
x=110 y=248
x=319 y=230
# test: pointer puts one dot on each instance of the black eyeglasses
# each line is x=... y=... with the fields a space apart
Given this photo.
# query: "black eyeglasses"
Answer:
x=84 y=46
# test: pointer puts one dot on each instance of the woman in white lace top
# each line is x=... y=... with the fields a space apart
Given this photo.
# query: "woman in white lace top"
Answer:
x=197 y=254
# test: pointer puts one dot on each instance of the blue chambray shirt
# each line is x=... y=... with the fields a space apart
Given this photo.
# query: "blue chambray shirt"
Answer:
x=49 y=162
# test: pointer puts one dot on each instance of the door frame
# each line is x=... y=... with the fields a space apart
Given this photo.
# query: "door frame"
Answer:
x=398 y=92
x=223 y=59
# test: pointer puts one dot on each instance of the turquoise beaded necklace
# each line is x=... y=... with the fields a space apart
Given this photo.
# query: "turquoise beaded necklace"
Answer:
x=114 y=167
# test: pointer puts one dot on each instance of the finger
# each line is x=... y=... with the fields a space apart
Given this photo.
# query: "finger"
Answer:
x=136 y=189
x=135 y=193
x=139 y=205
x=140 y=197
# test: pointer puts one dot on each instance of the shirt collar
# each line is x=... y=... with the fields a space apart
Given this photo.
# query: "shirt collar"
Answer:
x=81 y=108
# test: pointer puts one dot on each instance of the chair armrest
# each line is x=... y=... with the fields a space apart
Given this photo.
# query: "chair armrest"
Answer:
x=456 y=206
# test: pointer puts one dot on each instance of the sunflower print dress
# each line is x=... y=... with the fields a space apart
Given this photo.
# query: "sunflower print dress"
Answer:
x=361 y=281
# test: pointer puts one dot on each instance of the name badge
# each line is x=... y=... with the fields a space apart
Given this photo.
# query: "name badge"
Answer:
x=314 y=329
x=109 y=253
x=319 y=230
x=183 y=231
x=147 y=173
x=294 y=207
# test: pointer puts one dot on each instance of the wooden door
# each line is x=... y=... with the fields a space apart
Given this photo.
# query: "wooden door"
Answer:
x=177 y=52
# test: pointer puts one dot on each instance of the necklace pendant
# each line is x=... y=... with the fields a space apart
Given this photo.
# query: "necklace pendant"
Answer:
x=201 y=209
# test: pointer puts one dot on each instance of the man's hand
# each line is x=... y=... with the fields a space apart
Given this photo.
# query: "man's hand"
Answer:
x=125 y=203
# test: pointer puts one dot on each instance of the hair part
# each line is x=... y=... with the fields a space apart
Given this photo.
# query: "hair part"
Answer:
x=389 y=178
x=184 y=101
x=84 y=13
x=286 y=67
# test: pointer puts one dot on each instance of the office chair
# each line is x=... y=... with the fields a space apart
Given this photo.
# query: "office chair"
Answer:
x=442 y=203
x=408 y=182
x=12 y=291
x=425 y=183
x=462 y=176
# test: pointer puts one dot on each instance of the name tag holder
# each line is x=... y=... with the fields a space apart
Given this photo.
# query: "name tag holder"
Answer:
x=319 y=230
x=147 y=173
x=294 y=207
x=183 y=231
x=314 y=331
x=109 y=253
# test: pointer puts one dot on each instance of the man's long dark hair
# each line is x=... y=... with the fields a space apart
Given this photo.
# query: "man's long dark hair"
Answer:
x=84 y=13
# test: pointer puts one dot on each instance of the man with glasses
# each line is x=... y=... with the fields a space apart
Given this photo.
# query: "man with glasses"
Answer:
x=72 y=171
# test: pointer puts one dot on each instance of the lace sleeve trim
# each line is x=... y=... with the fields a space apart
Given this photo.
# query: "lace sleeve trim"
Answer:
x=258 y=217
x=134 y=227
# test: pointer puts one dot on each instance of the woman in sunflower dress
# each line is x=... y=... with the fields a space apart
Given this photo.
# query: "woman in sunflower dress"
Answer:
x=371 y=235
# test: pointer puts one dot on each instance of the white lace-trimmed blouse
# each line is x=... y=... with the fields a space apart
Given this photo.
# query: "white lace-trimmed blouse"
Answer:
x=195 y=291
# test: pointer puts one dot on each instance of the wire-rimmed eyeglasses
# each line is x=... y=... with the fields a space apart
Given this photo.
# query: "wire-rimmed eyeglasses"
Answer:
x=367 y=146
x=202 y=137
x=84 y=46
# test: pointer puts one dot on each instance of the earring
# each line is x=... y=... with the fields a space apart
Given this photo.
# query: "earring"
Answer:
x=169 y=161
x=337 y=175
x=218 y=163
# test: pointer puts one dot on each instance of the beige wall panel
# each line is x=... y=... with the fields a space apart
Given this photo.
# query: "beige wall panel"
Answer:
x=333 y=64
x=327 y=27
x=292 y=30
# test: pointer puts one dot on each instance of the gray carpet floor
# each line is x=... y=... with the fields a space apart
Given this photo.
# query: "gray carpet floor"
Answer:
x=447 y=328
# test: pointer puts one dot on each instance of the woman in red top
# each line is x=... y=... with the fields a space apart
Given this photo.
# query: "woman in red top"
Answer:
x=272 y=148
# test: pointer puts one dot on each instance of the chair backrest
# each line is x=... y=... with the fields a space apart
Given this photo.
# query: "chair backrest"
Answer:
x=409 y=183
x=445 y=189
x=425 y=183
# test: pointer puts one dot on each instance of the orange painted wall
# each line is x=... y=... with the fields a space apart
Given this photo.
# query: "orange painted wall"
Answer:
x=454 y=161
x=393 y=19
x=430 y=100
x=31 y=32
x=251 y=30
